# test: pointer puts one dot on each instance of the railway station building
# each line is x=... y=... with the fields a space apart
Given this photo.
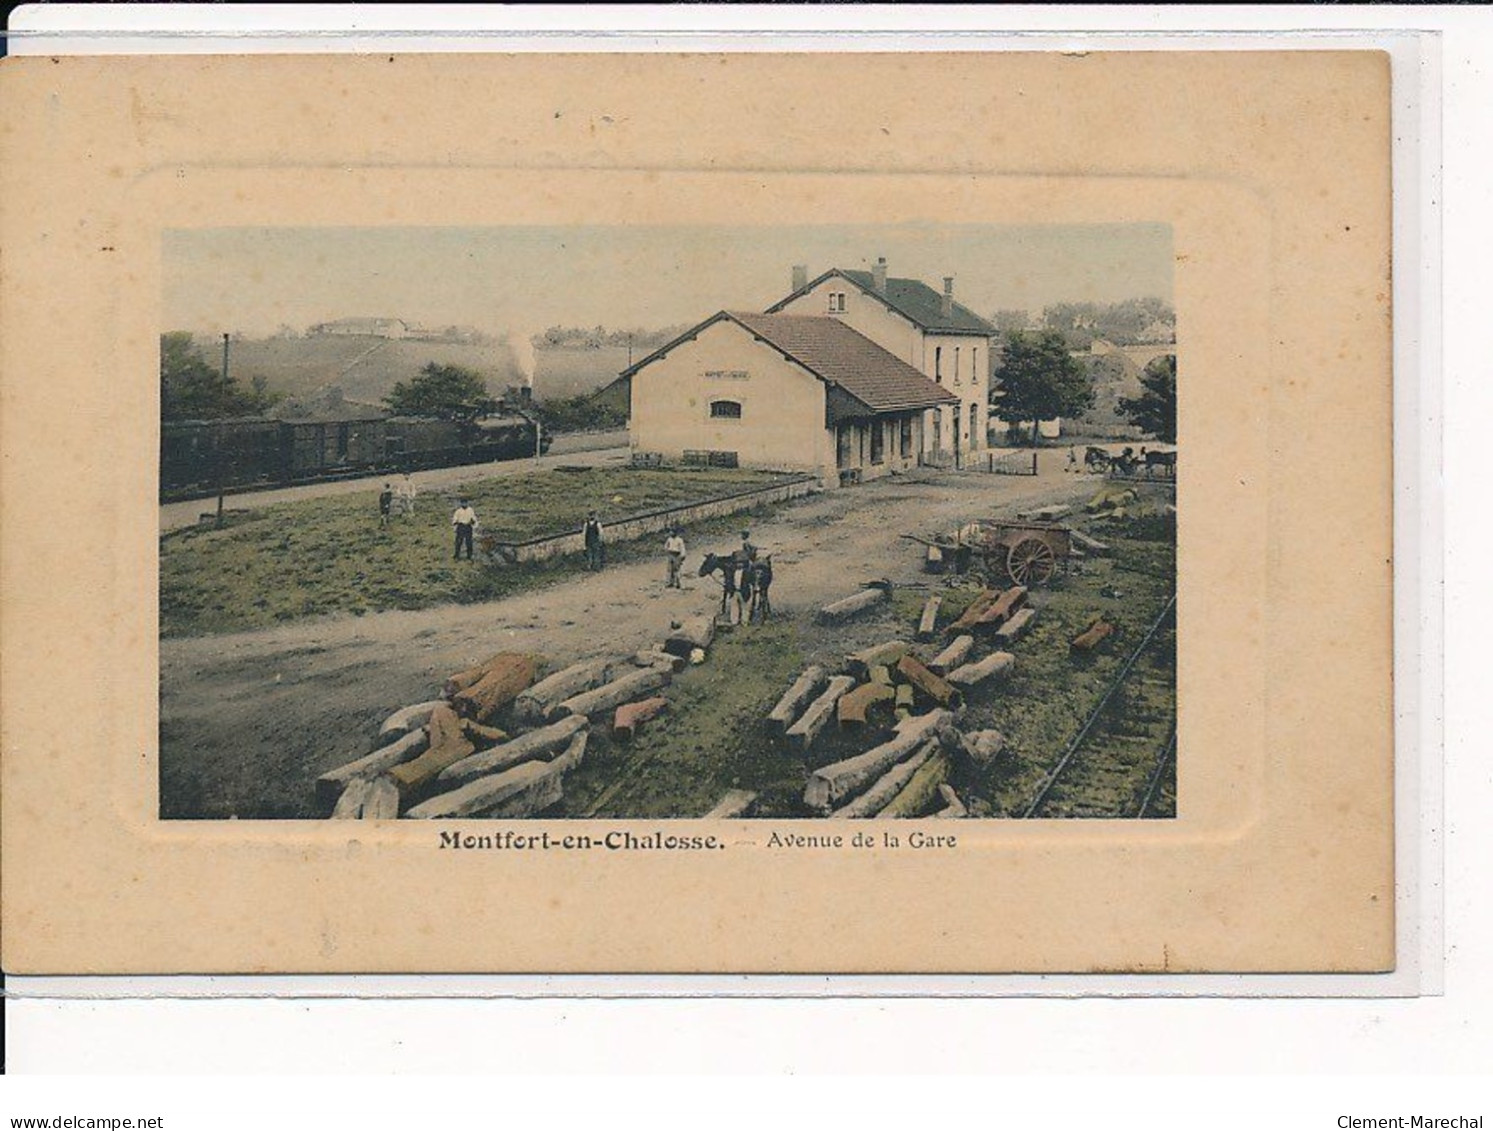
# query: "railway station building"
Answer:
x=801 y=392
x=947 y=342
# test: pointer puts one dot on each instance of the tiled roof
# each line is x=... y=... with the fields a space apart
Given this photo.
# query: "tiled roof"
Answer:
x=839 y=355
x=912 y=298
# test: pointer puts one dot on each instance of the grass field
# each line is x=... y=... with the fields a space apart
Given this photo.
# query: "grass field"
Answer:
x=329 y=555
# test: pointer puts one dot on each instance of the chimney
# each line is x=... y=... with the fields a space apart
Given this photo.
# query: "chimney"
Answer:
x=878 y=275
x=948 y=296
x=800 y=276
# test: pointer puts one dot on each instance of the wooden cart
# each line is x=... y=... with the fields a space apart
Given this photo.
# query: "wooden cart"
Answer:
x=1028 y=552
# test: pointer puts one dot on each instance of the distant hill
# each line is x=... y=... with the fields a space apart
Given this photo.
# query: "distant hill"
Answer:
x=366 y=367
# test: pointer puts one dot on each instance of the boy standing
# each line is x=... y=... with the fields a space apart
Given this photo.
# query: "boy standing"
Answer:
x=674 y=547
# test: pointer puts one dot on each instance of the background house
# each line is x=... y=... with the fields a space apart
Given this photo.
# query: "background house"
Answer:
x=797 y=392
x=946 y=341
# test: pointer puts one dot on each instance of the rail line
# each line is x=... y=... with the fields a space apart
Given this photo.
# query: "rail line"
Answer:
x=1158 y=774
x=1069 y=755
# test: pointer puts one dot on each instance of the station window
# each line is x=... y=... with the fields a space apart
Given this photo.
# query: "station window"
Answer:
x=956 y=365
x=725 y=410
x=878 y=442
x=837 y=302
x=938 y=363
x=907 y=437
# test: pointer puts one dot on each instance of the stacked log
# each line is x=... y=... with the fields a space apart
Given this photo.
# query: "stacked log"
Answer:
x=736 y=803
x=382 y=801
x=503 y=679
x=921 y=790
x=911 y=669
x=953 y=807
x=452 y=738
x=976 y=607
x=859 y=664
x=804 y=688
x=856 y=603
x=830 y=784
x=952 y=656
x=406 y=719
x=349 y=806
x=630 y=716
x=999 y=611
x=1088 y=545
x=697 y=632
x=332 y=784
x=886 y=787
x=928 y=622
x=854 y=704
x=818 y=713
x=537 y=744
x=538 y=703
x=1092 y=636
x=971 y=674
x=657 y=657
x=517 y=791
x=612 y=695
x=1015 y=628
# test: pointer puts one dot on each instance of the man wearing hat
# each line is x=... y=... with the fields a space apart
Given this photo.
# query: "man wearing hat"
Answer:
x=464 y=519
x=674 y=548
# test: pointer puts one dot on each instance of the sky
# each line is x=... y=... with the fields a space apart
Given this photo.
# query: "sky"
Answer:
x=251 y=281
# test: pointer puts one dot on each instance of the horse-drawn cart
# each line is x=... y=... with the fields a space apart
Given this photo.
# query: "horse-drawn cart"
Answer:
x=1026 y=552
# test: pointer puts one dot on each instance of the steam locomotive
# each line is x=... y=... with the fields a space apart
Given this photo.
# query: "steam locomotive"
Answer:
x=199 y=458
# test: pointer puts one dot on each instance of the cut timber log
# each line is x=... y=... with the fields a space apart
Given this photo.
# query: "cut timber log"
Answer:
x=886 y=787
x=928 y=622
x=859 y=664
x=630 y=716
x=657 y=657
x=1087 y=544
x=506 y=677
x=940 y=690
x=817 y=714
x=953 y=807
x=905 y=697
x=518 y=791
x=952 y=656
x=999 y=611
x=535 y=704
x=982 y=747
x=854 y=704
x=736 y=803
x=697 y=632
x=1092 y=636
x=612 y=695
x=971 y=674
x=407 y=719
x=880 y=673
x=331 y=784
x=349 y=806
x=804 y=688
x=831 y=784
x=1046 y=514
x=972 y=614
x=382 y=802
x=452 y=738
x=856 y=603
x=541 y=744
x=1015 y=628
x=465 y=679
x=920 y=793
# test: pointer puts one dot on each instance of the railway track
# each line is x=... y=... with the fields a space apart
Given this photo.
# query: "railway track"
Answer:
x=1120 y=762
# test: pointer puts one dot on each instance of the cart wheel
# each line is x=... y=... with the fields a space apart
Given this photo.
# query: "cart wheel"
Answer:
x=1031 y=562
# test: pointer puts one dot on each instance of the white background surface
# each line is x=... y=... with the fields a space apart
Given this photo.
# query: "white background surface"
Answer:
x=1354 y=1057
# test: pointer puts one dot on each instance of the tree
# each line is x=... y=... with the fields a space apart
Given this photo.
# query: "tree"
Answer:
x=1039 y=379
x=192 y=389
x=1154 y=412
x=446 y=391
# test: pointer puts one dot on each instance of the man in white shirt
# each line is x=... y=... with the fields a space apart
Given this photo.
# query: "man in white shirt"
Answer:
x=464 y=519
x=674 y=547
x=407 y=493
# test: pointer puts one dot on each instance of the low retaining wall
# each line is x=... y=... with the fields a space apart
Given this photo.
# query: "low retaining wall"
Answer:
x=651 y=522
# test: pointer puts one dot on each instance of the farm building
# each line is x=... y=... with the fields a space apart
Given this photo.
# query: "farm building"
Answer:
x=786 y=391
x=944 y=340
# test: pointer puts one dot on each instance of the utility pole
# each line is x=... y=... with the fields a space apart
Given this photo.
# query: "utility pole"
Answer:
x=218 y=447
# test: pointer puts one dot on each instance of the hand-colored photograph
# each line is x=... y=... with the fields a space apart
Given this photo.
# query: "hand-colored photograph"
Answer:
x=652 y=522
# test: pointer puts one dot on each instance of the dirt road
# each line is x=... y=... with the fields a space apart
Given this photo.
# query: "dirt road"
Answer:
x=282 y=705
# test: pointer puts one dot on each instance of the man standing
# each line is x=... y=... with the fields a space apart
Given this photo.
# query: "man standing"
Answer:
x=674 y=547
x=595 y=550
x=464 y=519
x=748 y=551
x=385 y=501
x=407 y=492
